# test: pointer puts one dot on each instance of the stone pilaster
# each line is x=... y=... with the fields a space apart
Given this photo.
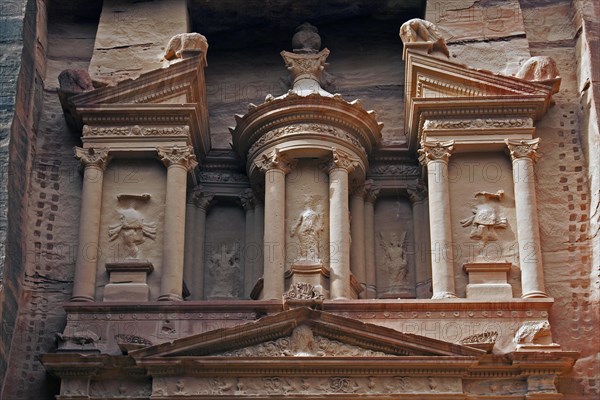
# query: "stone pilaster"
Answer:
x=275 y=166
x=523 y=154
x=202 y=201
x=247 y=200
x=417 y=198
x=357 y=236
x=435 y=155
x=371 y=193
x=94 y=161
x=178 y=160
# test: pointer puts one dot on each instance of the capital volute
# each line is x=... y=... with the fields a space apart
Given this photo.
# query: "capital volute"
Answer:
x=93 y=156
x=340 y=160
x=275 y=160
x=177 y=155
x=523 y=148
x=435 y=151
x=371 y=191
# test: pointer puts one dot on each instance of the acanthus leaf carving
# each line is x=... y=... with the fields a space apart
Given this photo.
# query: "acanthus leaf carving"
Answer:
x=480 y=338
x=523 y=148
x=303 y=291
x=435 y=151
x=135 y=130
x=177 y=155
x=340 y=159
x=275 y=160
x=93 y=156
x=478 y=123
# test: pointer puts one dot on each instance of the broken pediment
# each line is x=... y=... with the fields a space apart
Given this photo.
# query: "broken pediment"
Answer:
x=166 y=102
x=475 y=106
x=304 y=332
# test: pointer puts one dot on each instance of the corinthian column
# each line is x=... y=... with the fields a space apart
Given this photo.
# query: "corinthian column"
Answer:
x=94 y=161
x=435 y=156
x=523 y=153
x=371 y=192
x=202 y=201
x=275 y=166
x=340 y=165
x=178 y=160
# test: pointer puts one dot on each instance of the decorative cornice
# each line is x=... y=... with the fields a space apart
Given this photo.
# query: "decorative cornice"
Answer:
x=435 y=151
x=93 y=156
x=523 y=148
x=177 y=155
x=275 y=160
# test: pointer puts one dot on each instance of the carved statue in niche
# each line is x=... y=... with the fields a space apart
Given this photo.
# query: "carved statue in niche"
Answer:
x=395 y=262
x=224 y=271
x=308 y=229
x=486 y=217
x=131 y=228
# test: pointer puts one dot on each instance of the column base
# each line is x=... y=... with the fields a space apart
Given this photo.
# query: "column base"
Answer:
x=169 y=297
x=82 y=299
x=443 y=295
x=534 y=295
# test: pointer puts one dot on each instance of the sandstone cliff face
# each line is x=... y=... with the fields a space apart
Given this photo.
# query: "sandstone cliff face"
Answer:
x=42 y=191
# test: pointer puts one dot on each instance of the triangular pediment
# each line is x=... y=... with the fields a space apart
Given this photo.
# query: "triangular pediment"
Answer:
x=440 y=88
x=179 y=83
x=173 y=97
x=304 y=332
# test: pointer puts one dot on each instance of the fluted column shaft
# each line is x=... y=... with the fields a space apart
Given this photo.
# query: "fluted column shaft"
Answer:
x=178 y=160
x=523 y=155
x=436 y=157
x=275 y=166
x=357 y=235
x=95 y=161
x=371 y=193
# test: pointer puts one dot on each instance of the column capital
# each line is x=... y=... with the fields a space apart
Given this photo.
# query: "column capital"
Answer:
x=201 y=198
x=93 y=156
x=275 y=160
x=523 y=148
x=371 y=191
x=248 y=200
x=417 y=193
x=341 y=160
x=177 y=155
x=435 y=151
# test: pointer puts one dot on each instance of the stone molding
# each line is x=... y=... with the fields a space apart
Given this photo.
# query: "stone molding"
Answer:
x=177 y=155
x=135 y=130
x=395 y=170
x=435 y=151
x=303 y=129
x=93 y=156
x=523 y=148
x=275 y=160
x=478 y=123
